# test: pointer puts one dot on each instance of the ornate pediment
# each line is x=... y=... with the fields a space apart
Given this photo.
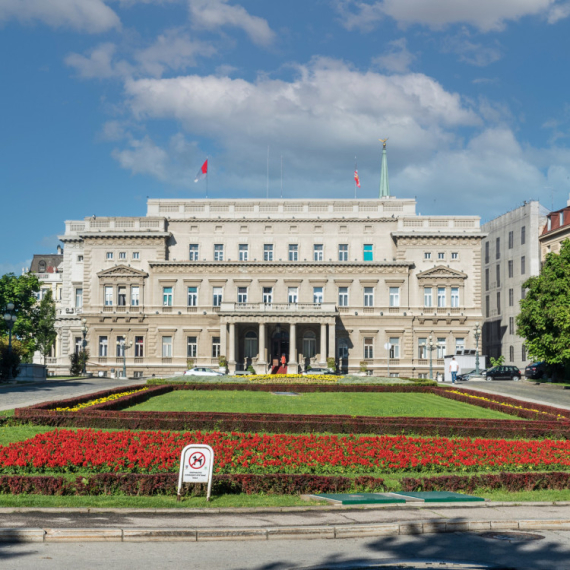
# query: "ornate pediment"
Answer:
x=121 y=271
x=441 y=272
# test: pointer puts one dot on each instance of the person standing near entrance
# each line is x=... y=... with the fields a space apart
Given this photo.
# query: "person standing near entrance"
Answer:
x=453 y=368
x=283 y=360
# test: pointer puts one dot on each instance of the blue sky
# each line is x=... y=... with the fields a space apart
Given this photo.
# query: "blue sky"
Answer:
x=106 y=102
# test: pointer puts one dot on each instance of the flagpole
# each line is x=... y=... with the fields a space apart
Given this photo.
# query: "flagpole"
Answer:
x=281 y=176
x=207 y=176
x=267 y=189
x=355 y=170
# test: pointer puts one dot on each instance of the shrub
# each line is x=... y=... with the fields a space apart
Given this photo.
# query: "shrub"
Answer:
x=363 y=366
x=331 y=364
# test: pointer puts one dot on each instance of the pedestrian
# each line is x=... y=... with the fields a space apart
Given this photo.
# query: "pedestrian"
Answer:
x=283 y=360
x=453 y=368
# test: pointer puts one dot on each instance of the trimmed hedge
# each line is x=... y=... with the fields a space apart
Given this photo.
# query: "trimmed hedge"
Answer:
x=133 y=484
x=502 y=481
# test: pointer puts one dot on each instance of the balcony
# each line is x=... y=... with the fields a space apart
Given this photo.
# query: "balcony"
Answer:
x=273 y=308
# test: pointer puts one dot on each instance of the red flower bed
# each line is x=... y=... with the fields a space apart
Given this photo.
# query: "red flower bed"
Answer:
x=156 y=452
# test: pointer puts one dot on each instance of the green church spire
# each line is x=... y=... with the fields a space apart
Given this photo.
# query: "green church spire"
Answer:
x=384 y=186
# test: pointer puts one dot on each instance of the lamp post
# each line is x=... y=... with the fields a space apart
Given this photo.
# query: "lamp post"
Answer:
x=431 y=347
x=84 y=345
x=477 y=335
x=124 y=347
x=10 y=317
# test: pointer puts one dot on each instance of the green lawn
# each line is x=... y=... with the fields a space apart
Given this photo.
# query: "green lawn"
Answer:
x=352 y=404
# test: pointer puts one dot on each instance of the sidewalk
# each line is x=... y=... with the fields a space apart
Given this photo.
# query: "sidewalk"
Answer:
x=122 y=525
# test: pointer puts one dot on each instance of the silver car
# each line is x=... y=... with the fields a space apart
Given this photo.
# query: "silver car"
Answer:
x=200 y=371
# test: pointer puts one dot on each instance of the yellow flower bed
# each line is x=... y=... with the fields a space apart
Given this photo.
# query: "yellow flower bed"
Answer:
x=293 y=379
x=99 y=401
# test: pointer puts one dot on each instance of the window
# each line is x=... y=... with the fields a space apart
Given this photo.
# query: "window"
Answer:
x=486 y=252
x=454 y=255
x=167 y=296
x=498 y=275
x=511 y=353
x=293 y=295
x=368 y=348
x=395 y=348
x=78 y=344
x=139 y=346
x=441 y=302
x=427 y=254
x=194 y=252
x=511 y=240
x=267 y=296
x=120 y=346
x=498 y=302
x=191 y=347
x=428 y=298
x=122 y=296
x=441 y=348
x=487 y=279
x=80 y=259
x=317 y=295
x=242 y=295
x=108 y=296
x=218 y=252
x=487 y=306
x=216 y=296
x=511 y=268
x=511 y=325
x=78 y=298
x=394 y=296
x=136 y=255
x=561 y=219
x=251 y=349
x=498 y=248
x=192 y=296
x=103 y=346
x=215 y=346
x=422 y=347
x=523 y=354
x=368 y=296
x=293 y=252
x=167 y=347
x=523 y=265
x=441 y=255
x=318 y=252
x=511 y=297
x=523 y=292
x=122 y=255
x=343 y=252
x=309 y=345
x=459 y=345
x=243 y=252
x=268 y=252
x=455 y=297
x=109 y=255
x=523 y=235
x=343 y=296
x=368 y=253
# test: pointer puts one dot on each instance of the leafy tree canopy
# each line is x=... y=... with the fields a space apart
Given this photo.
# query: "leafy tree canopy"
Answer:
x=45 y=333
x=544 y=320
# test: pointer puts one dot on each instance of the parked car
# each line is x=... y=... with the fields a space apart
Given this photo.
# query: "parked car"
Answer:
x=535 y=370
x=503 y=373
x=466 y=376
x=317 y=372
x=199 y=371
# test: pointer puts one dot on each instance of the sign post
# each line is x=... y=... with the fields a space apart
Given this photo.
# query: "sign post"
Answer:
x=388 y=346
x=196 y=466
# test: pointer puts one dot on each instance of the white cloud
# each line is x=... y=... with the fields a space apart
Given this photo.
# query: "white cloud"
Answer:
x=214 y=14
x=471 y=52
x=99 y=63
x=486 y=15
x=398 y=59
x=92 y=16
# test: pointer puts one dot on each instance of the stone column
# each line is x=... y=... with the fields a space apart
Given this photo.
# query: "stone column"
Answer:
x=232 y=352
x=332 y=340
x=323 y=355
x=224 y=339
x=293 y=366
x=261 y=362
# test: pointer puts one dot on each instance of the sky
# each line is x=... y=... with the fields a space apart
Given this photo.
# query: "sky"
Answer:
x=107 y=102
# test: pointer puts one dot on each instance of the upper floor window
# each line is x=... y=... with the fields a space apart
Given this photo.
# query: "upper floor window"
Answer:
x=268 y=295
x=441 y=255
x=318 y=252
x=486 y=252
x=486 y=279
x=343 y=252
x=80 y=259
x=167 y=296
x=268 y=252
x=498 y=248
x=242 y=295
x=293 y=252
x=216 y=296
x=122 y=296
x=454 y=255
x=293 y=295
x=523 y=235
x=218 y=252
x=394 y=296
x=122 y=255
x=78 y=298
x=109 y=255
x=487 y=306
x=192 y=296
x=511 y=240
x=108 y=296
x=368 y=254
x=510 y=267
x=511 y=297
x=427 y=254
x=441 y=302
x=368 y=296
x=243 y=252
x=498 y=302
x=193 y=252
x=317 y=295
x=343 y=296
x=135 y=296
x=455 y=296
x=428 y=297
x=523 y=265
x=136 y=255
x=498 y=274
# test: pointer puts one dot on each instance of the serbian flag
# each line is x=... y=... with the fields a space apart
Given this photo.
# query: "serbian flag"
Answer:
x=356 y=179
x=203 y=172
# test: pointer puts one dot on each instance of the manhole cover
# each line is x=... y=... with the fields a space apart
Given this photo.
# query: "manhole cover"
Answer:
x=512 y=536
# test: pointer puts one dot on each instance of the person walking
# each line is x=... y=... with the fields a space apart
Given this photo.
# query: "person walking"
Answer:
x=453 y=368
x=283 y=361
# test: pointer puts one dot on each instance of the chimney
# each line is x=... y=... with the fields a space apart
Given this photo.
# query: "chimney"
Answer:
x=59 y=250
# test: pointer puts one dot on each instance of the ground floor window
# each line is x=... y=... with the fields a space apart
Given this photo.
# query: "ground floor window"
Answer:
x=192 y=344
x=368 y=348
x=309 y=345
x=250 y=345
x=395 y=348
x=422 y=348
x=139 y=346
x=215 y=347
x=167 y=346
x=103 y=346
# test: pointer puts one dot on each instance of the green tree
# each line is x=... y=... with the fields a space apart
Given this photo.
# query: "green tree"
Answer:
x=45 y=333
x=544 y=320
x=497 y=361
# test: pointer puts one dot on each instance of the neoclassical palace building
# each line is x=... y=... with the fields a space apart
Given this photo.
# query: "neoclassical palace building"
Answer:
x=256 y=280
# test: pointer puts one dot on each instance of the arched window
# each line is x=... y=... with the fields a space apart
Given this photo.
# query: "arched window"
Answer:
x=512 y=354
x=251 y=349
x=309 y=344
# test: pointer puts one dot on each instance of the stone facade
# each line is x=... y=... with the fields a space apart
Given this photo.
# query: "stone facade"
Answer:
x=511 y=254
x=555 y=229
x=253 y=280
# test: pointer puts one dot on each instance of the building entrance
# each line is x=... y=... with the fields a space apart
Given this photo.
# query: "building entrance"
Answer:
x=279 y=347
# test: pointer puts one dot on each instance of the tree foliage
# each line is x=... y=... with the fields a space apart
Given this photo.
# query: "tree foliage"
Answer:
x=497 y=361
x=544 y=320
x=45 y=334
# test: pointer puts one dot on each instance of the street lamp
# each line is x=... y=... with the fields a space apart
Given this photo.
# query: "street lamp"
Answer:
x=431 y=347
x=477 y=335
x=84 y=345
x=124 y=347
x=10 y=317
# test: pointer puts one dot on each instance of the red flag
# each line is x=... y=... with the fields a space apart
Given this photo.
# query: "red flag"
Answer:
x=356 y=179
x=203 y=172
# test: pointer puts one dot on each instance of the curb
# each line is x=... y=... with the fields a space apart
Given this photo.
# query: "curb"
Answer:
x=18 y=535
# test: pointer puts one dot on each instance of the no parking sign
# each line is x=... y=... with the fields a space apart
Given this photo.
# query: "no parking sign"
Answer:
x=196 y=466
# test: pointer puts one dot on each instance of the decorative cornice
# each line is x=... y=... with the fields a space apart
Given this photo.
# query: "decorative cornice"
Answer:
x=441 y=271
x=126 y=234
x=122 y=271
x=309 y=218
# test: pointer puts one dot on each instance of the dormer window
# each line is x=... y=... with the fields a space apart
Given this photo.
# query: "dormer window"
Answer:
x=42 y=266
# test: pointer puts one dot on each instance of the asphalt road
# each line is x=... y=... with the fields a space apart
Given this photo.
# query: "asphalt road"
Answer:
x=20 y=395
x=444 y=551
